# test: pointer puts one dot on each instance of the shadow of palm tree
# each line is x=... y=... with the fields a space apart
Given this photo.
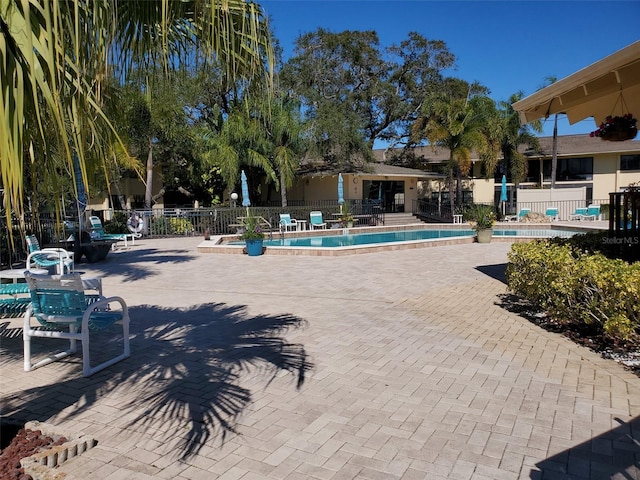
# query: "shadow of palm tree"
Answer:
x=613 y=454
x=186 y=370
x=138 y=262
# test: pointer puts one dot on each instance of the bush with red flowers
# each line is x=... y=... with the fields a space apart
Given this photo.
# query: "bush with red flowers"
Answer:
x=617 y=128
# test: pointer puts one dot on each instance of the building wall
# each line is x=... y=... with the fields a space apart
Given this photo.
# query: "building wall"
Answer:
x=627 y=178
x=605 y=175
x=129 y=187
x=311 y=189
x=483 y=190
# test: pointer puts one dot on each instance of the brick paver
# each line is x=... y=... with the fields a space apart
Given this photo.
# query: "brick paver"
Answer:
x=402 y=364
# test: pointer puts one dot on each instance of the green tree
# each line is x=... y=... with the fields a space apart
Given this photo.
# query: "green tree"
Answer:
x=286 y=142
x=57 y=55
x=554 y=154
x=239 y=142
x=161 y=130
x=354 y=92
x=458 y=123
x=265 y=134
x=513 y=135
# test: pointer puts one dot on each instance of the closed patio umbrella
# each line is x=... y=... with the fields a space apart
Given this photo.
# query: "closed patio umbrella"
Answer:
x=246 y=202
x=503 y=192
x=340 y=191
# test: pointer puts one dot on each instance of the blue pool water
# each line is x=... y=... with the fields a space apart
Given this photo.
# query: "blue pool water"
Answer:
x=350 y=240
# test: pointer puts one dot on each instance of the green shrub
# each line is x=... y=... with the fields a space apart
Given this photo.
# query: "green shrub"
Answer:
x=578 y=287
x=600 y=242
x=117 y=224
x=180 y=226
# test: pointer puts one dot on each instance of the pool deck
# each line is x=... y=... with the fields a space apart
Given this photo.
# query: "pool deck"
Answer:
x=219 y=244
x=404 y=364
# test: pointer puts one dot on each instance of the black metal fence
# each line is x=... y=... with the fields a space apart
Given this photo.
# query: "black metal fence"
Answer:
x=171 y=222
x=624 y=214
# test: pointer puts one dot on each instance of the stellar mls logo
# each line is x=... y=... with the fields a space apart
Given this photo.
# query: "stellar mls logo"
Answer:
x=621 y=240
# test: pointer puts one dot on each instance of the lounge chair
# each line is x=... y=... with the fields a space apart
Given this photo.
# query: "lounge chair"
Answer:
x=48 y=258
x=518 y=218
x=98 y=233
x=58 y=303
x=552 y=212
x=316 y=221
x=579 y=214
x=287 y=223
x=593 y=212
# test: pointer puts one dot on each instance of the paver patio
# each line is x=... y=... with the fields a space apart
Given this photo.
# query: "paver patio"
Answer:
x=402 y=364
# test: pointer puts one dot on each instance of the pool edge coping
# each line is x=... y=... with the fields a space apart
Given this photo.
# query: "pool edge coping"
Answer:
x=216 y=245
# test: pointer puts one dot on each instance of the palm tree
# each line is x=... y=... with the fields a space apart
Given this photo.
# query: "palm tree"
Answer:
x=458 y=124
x=240 y=142
x=57 y=55
x=554 y=155
x=286 y=142
x=514 y=135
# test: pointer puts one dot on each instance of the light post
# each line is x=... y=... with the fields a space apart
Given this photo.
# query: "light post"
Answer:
x=234 y=198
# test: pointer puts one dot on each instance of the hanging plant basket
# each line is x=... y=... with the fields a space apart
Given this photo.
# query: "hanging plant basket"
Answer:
x=617 y=129
x=620 y=135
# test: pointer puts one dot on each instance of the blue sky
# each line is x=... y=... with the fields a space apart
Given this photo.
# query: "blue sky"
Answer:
x=507 y=46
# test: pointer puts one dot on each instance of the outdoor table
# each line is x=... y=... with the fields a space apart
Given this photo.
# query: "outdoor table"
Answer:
x=301 y=224
x=89 y=282
x=16 y=274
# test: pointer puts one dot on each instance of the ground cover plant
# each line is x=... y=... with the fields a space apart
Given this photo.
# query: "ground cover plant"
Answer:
x=592 y=299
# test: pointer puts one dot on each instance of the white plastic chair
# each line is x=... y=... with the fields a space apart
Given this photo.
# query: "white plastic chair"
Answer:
x=316 y=221
x=579 y=214
x=58 y=303
x=287 y=223
x=518 y=218
x=593 y=212
x=552 y=212
x=46 y=258
x=98 y=233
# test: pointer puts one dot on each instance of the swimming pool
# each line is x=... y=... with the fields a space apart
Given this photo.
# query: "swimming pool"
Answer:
x=399 y=236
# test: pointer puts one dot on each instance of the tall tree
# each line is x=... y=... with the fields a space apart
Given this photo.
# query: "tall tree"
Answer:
x=239 y=142
x=457 y=120
x=514 y=135
x=56 y=55
x=285 y=141
x=554 y=154
x=354 y=92
x=265 y=134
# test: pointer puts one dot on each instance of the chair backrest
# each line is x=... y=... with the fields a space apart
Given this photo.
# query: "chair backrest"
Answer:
x=551 y=211
x=593 y=210
x=316 y=217
x=32 y=242
x=285 y=219
x=524 y=211
x=581 y=211
x=97 y=230
x=59 y=296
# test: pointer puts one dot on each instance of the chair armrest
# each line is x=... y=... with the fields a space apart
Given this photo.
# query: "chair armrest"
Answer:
x=59 y=251
x=103 y=305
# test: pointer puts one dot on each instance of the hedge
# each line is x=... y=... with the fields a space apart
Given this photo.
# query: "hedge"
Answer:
x=577 y=287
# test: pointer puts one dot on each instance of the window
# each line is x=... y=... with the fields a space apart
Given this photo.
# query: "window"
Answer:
x=630 y=162
x=574 y=168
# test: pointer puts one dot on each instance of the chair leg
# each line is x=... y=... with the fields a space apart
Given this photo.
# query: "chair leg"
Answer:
x=28 y=365
x=87 y=369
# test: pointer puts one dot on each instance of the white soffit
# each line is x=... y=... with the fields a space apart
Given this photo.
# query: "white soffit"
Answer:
x=610 y=86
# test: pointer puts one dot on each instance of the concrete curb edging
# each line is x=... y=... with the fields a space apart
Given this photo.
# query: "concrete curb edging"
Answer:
x=40 y=465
